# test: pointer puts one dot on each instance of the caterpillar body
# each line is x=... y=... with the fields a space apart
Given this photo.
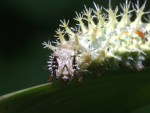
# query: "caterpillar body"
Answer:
x=98 y=37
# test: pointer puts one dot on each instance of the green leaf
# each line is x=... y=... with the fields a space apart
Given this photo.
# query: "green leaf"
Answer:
x=123 y=91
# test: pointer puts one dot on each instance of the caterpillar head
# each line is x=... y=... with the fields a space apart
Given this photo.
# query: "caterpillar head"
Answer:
x=63 y=64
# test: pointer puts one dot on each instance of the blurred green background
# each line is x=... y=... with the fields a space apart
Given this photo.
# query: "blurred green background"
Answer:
x=25 y=24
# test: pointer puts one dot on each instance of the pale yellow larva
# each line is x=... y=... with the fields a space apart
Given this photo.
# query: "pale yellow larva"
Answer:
x=100 y=36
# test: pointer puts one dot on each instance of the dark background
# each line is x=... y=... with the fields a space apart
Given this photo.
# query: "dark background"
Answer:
x=25 y=24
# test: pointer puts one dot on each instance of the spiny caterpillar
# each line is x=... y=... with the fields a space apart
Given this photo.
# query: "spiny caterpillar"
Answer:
x=98 y=37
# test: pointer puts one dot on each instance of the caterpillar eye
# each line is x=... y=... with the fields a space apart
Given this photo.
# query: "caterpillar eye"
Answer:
x=54 y=65
x=74 y=63
x=75 y=66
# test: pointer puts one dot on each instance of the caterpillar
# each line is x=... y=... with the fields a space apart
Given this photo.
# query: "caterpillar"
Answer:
x=98 y=37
